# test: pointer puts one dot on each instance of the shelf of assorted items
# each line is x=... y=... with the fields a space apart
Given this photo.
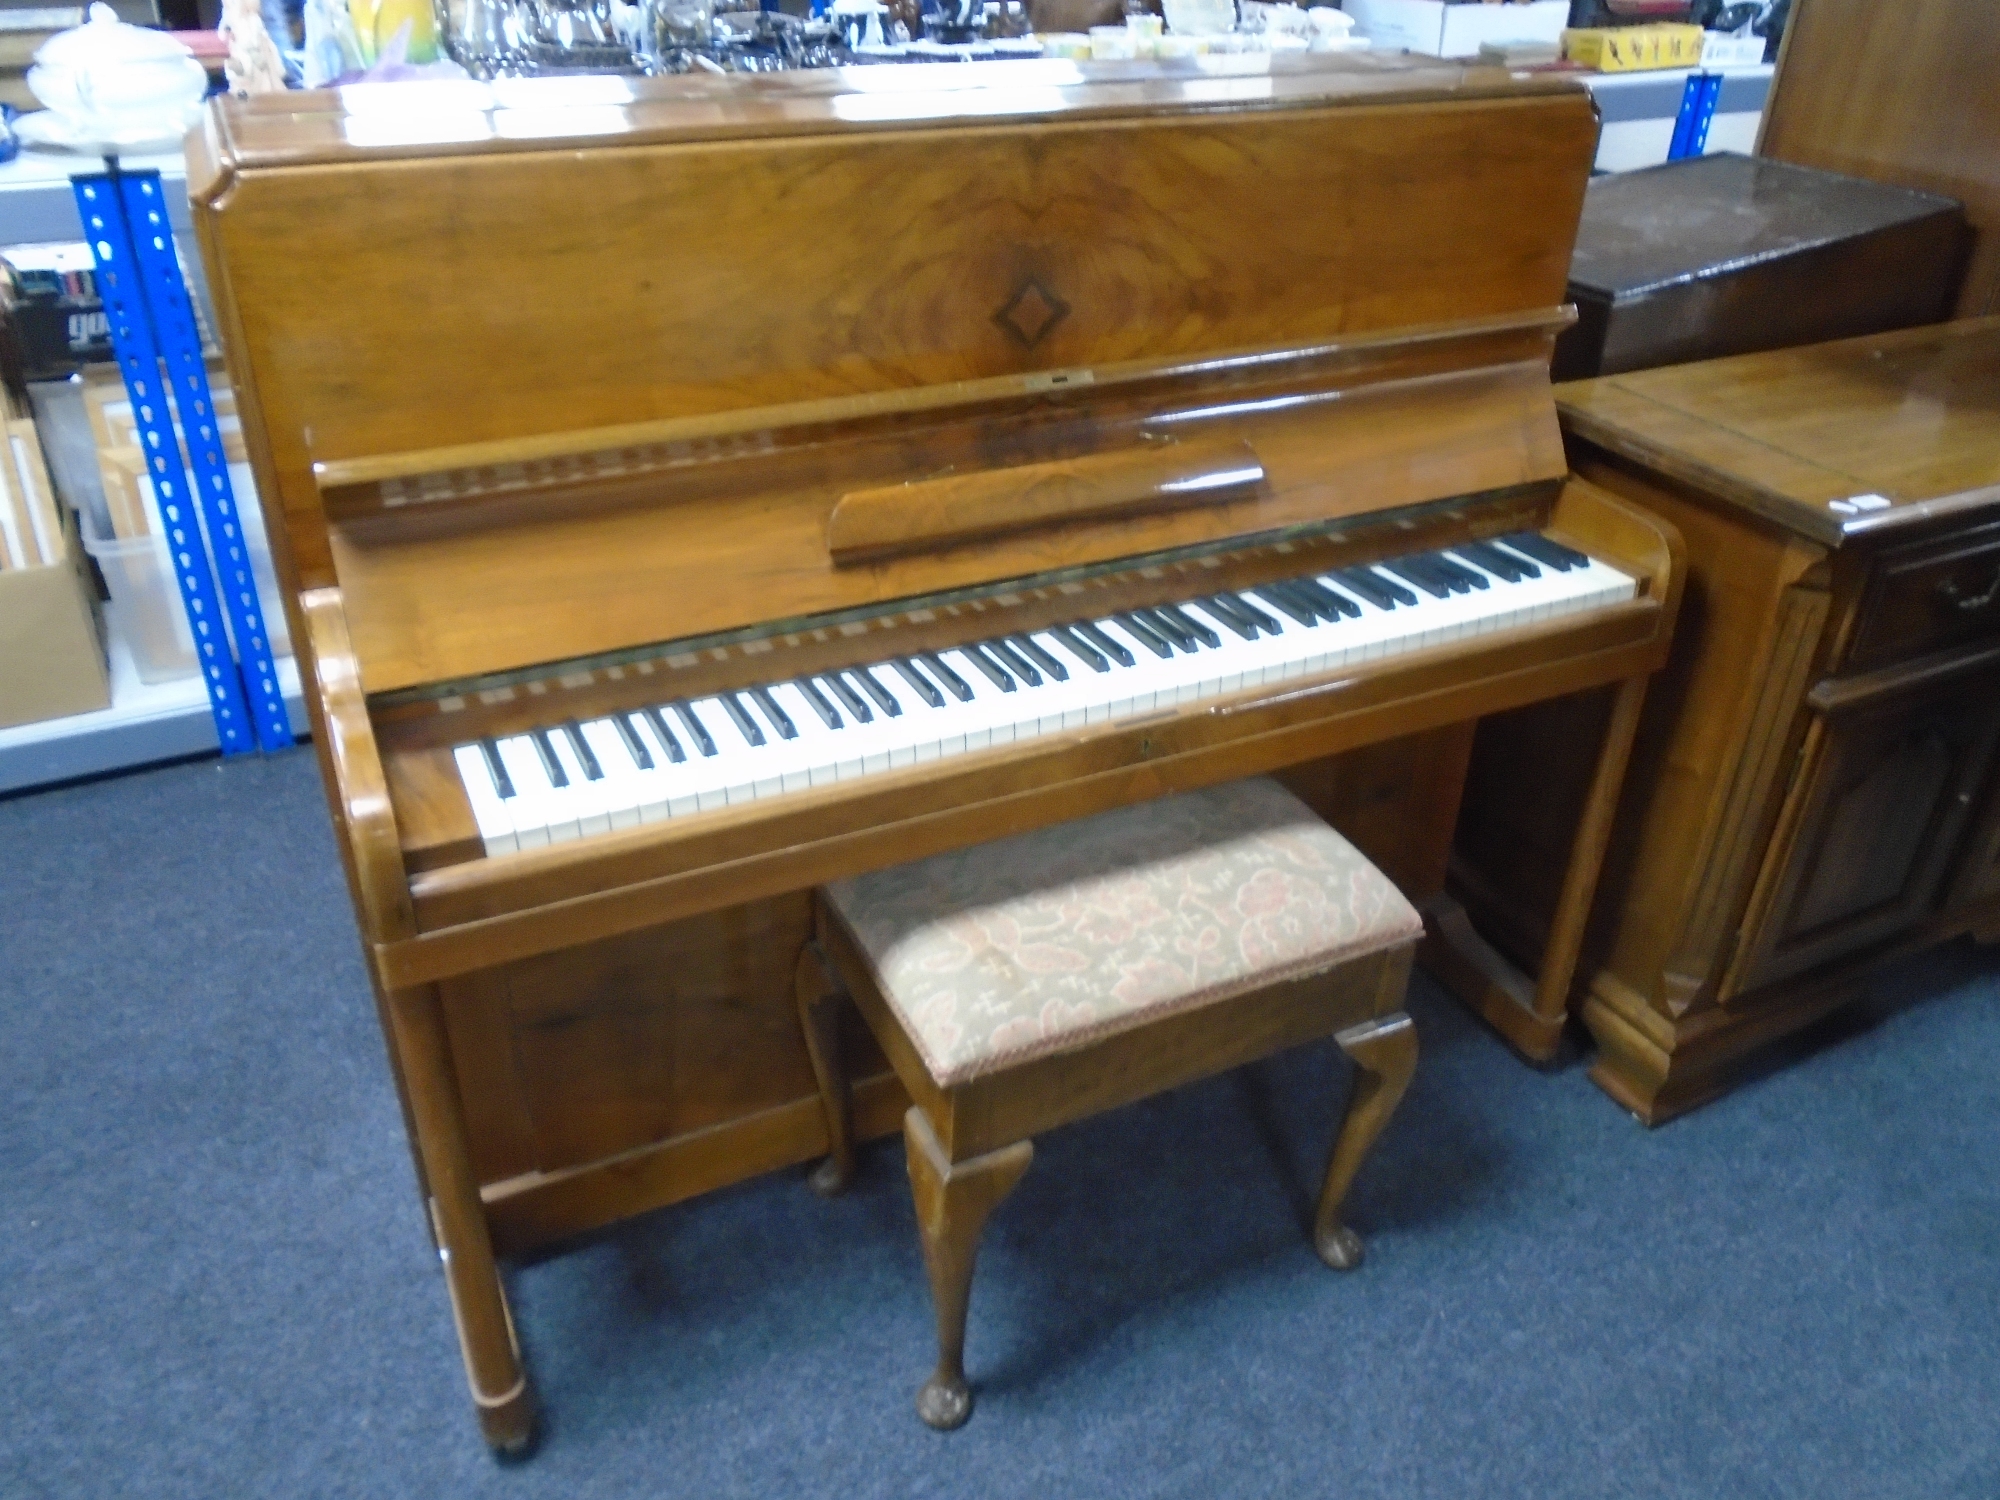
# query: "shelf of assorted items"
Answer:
x=146 y=723
x=1639 y=110
x=159 y=708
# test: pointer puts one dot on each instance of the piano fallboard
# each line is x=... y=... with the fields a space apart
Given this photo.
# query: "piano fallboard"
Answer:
x=473 y=909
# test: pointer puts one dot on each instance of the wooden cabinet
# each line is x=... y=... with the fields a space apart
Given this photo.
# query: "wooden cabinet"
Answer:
x=1978 y=881
x=1815 y=785
x=1883 y=792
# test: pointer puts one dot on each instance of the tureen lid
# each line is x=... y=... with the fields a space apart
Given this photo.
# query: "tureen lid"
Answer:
x=106 y=39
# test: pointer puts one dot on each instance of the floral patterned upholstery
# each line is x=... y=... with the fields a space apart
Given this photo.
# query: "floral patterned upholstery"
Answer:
x=1036 y=944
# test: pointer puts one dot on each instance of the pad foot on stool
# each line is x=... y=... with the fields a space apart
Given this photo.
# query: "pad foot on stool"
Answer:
x=944 y=1403
x=1385 y=1052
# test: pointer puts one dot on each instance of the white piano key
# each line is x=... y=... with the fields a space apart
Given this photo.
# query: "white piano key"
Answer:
x=539 y=819
x=819 y=753
x=623 y=791
x=588 y=797
x=490 y=813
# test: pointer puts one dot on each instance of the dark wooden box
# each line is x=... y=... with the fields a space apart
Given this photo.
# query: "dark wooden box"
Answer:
x=1729 y=254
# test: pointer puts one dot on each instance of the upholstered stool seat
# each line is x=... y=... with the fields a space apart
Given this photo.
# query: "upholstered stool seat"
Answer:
x=1018 y=985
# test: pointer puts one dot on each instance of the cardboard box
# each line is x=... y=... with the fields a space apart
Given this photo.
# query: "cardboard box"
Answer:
x=51 y=656
x=1719 y=50
x=1442 y=30
x=1635 y=49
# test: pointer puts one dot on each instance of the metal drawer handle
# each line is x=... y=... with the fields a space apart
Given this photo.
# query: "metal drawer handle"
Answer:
x=1969 y=603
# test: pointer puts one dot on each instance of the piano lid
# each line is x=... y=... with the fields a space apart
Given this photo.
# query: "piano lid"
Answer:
x=420 y=119
x=728 y=305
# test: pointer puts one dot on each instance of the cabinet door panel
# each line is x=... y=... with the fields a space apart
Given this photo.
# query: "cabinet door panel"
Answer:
x=1885 y=794
x=1979 y=872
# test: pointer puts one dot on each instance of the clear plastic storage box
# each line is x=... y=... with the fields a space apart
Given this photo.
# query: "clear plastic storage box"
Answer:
x=145 y=607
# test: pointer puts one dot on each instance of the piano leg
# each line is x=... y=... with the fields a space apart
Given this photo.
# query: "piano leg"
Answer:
x=1529 y=1012
x=500 y=1389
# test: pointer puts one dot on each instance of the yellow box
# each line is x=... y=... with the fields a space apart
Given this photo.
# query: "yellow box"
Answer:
x=1634 y=49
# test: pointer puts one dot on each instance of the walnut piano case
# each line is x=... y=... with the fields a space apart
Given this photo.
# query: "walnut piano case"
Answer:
x=567 y=408
x=1816 y=785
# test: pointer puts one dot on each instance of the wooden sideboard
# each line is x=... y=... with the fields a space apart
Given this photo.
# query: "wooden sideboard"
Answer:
x=1816 y=780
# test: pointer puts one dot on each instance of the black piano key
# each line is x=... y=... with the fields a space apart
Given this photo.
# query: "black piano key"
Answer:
x=953 y=683
x=1226 y=606
x=1435 y=565
x=1508 y=565
x=697 y=730
x=634 y=746
x=1461 y=571
x=1303 y=611
x=1216 y=609
x=782 y=721
x=1423 y=578
x=1166 y=629
x=1373 y=587
x=992 y=670
x=1542 y=550
x=1005 y=652
x=1031 y=648
x=673 y=746
x=1104 y=643
x=1144 y=634
x=1258 y=616
x=1451 y=567
x=573 y=732
x=740 y=716
x=926 y=689
x=551 y=766
x=1081 y=649
x=1196 y=628
x=874 y=689
x=854 y=702
x=1327 y=599
x=503 y=784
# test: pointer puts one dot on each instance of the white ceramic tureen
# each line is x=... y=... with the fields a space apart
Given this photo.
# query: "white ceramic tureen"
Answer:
x=108 y=83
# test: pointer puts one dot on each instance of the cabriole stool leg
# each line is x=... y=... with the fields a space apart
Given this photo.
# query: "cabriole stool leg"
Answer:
x=820 y=1001
x=953 y=1200
x=1385 y=1050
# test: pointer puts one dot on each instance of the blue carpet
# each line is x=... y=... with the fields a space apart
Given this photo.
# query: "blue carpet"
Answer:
x=214 y=1280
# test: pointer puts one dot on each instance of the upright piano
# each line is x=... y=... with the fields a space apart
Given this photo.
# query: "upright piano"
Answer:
x=687 y=491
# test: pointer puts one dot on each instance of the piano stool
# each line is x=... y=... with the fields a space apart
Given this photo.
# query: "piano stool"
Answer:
x=1019 y=985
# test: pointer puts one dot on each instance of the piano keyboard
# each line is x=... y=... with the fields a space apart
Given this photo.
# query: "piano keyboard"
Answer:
x=577 y=779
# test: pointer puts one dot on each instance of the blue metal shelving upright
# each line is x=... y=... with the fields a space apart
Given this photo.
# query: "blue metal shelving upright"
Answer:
x=158 y=346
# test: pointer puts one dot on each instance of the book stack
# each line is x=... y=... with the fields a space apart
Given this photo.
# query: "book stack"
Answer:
x=50 y=296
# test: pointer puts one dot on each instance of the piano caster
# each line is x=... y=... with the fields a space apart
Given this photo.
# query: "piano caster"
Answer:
x=509 y=1425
